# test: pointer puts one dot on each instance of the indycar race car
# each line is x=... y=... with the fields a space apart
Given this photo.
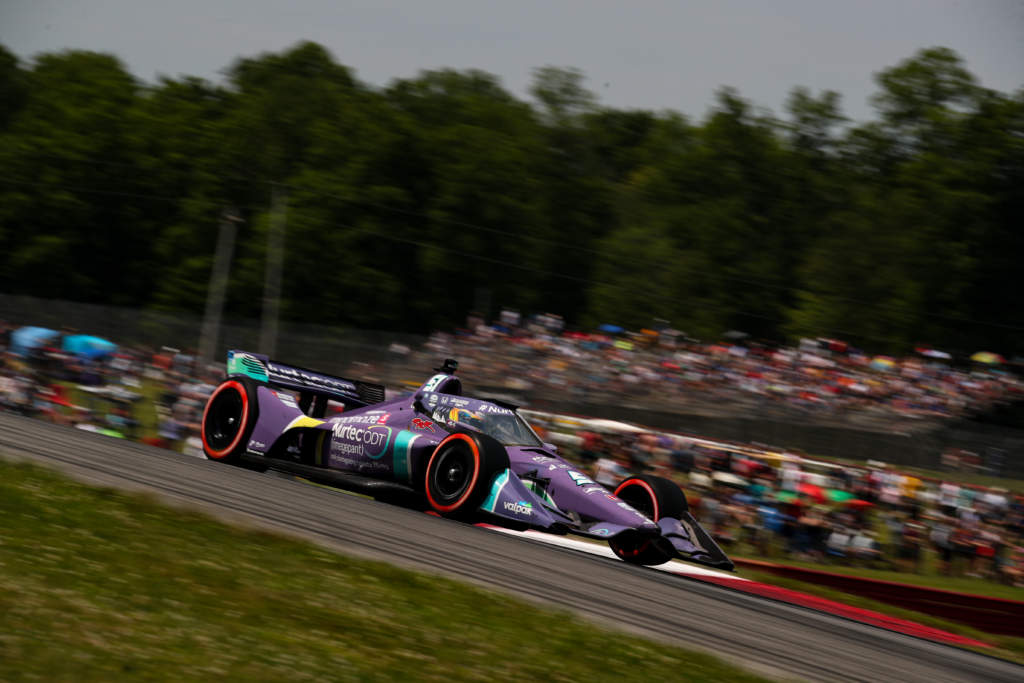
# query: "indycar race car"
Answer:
x=472 y=459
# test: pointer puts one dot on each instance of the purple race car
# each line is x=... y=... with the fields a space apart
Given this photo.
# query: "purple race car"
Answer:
x=457 y=456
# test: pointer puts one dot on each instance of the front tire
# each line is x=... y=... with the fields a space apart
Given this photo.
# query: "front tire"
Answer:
x=229 y=418
x=654 y=497
x=460 y=471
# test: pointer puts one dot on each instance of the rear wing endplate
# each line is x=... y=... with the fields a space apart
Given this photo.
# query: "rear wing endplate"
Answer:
x=352 y=393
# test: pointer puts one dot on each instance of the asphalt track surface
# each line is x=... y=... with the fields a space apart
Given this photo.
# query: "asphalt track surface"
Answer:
x=778 y=640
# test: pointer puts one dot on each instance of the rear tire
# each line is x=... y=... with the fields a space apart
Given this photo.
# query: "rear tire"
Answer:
x=460 y=471
x=229 y=418
x=655 y=497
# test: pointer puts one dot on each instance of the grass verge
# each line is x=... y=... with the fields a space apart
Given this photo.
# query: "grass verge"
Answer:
x=97 y=585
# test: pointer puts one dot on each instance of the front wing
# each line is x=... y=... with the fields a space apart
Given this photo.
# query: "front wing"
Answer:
x=512 y=500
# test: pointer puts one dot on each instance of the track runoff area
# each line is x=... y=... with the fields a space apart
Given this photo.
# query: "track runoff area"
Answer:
x=678 y=604
x=743 y=585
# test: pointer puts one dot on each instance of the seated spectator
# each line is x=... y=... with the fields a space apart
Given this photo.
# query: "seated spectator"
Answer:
x=863 y=547
x=838 y=542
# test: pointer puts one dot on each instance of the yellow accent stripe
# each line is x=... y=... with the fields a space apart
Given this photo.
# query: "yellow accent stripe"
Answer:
x=303 y=421
x=320 y=448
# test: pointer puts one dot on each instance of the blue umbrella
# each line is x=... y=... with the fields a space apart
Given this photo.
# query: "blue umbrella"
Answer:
x=611 y=329
x=25 y=339
x=88 y=346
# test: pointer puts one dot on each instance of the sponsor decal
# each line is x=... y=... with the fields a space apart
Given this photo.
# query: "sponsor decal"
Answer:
x=595 y=489
x=488 y=408
x=601 y=532
x=420 y=423
x=448 y=400
x=355 y=440
x=378 y=447
x=360 y=464
x=259 y=445
x=347 y=448
x=520 y=508
x=285 y=397
x=363 y=419
x=383 y=419
x=580 y=478
x=311 y=378
x=439 y=416
x=540 y=458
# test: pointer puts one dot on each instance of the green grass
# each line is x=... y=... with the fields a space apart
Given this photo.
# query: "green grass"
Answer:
x=97 y=585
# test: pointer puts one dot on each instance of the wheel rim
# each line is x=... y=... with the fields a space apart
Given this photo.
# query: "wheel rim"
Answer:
x=452 y=474
x=630 y=546
x=223 y=419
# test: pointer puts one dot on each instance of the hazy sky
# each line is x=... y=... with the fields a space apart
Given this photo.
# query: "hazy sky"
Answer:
x=652 y=54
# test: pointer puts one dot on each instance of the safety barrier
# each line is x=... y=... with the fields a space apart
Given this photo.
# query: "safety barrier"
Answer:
x=992 y=615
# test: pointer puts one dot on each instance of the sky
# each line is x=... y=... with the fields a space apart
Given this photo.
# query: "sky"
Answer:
x=636 y=54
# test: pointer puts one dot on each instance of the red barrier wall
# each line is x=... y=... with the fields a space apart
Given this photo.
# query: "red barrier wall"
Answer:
x=992 y=615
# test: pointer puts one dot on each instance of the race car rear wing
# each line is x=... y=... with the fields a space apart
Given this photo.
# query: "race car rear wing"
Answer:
x=352 y=393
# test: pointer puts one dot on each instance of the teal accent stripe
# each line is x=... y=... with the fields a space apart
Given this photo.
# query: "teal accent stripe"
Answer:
x=243 y=364
x=542 y=494
x=401 y=453
x=496 y=487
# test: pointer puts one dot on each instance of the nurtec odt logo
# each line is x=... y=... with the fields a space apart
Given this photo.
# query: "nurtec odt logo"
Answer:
x=374 y=439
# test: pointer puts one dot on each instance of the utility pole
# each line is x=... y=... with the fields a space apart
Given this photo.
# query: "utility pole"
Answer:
x=218 y=285
x=272 y=279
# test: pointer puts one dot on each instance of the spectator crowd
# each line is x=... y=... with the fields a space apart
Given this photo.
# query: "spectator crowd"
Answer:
x=822 y=376
x=782 y=506
x=768 y=504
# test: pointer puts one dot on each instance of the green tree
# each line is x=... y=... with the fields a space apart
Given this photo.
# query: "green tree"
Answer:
x=73 y=216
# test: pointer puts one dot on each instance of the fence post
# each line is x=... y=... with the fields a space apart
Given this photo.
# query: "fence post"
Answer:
x=218 y=285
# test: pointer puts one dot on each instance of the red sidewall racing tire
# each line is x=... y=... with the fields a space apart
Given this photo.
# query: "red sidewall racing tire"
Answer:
x=460 y=471
x=655 y=497
x=229 y=418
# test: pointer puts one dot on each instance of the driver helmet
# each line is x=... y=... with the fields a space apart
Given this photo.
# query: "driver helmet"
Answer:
x=466 y=417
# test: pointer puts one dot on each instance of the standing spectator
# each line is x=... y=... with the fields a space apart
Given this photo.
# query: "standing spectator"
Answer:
x=910 y=543
x=941 y=539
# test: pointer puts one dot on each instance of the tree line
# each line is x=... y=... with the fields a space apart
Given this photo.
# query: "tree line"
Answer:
x=411 y=205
